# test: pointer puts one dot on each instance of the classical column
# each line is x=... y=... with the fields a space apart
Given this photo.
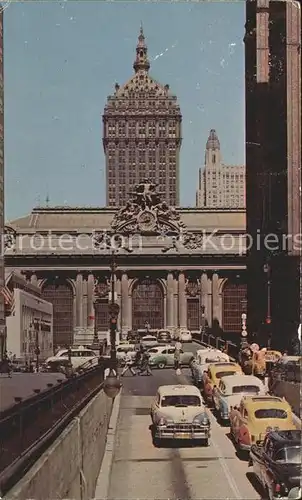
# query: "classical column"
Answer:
x=118 y=290
x=125 y=320
x=204 y=293
x=170 y=301
x=209 y=303
x=79 y=300
x=90 y=299
x=215 y=297
x=85 y=302
x=182 y=300
x=175 y=305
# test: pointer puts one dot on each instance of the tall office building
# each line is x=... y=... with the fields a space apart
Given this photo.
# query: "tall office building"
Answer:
x=220 y=186
x=2 y=306
x=273 y=165
x=141 y=134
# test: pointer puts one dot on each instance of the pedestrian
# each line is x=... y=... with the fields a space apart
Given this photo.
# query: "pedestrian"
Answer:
x=131 y=363
x=178 y=347
x=144 y=365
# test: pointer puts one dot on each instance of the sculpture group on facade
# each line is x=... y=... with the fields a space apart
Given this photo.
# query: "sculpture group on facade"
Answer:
x=147 y=214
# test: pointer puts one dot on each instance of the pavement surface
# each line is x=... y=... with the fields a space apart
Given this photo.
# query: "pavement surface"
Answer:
x=23 y=385
x=139 y=470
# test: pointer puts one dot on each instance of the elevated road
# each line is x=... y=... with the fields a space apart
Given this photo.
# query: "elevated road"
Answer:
x=139 y=470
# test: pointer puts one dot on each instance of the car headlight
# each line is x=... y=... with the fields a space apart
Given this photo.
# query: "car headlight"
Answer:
x=201 y=419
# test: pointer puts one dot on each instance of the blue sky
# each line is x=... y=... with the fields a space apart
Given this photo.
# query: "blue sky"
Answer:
x=61 y=62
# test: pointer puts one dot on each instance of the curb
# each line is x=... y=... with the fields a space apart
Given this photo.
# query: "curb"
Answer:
x=103 y=480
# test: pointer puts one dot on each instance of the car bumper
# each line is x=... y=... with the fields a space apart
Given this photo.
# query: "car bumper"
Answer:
x=225 y=417
x=176 y=433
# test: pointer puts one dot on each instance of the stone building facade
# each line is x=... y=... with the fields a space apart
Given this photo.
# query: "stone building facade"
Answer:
x=273 y=164
x=171 y=265
x=141 y=134
x=220 y=186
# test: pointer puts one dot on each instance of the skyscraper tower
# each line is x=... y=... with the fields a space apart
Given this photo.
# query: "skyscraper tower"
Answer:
x=220 y=186
x=141 y=134
x=273 y=165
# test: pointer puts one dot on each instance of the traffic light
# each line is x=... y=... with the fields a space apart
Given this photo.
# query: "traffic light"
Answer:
x=113 y=323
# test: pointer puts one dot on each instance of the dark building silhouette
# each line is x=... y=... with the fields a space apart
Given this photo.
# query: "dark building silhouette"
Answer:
x=141 y=135
x=273 y=165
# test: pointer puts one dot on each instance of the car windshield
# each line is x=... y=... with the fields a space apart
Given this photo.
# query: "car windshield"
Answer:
x=289 y=455
x=252 y=389
x=271 y=413
x=180 y=401
x=225 y=374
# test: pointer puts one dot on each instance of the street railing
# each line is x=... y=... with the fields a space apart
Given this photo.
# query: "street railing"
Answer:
x=230 y=348
x=29 y=428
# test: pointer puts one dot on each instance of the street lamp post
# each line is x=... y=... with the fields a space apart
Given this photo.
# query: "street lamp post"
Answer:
x=112 y=384
x=37 y=347
x=267 y=270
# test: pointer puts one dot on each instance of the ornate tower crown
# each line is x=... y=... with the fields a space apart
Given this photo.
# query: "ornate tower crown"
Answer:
x=141 y=62
x=213 y=141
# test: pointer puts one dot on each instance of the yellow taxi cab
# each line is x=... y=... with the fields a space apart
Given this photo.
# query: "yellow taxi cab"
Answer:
x=213 y=375
x=272 y=356
x=256 y=416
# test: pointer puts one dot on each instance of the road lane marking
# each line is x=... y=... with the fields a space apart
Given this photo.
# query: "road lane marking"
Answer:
x=222 y=461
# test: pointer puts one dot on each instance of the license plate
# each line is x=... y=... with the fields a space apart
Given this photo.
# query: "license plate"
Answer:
x=182 y=435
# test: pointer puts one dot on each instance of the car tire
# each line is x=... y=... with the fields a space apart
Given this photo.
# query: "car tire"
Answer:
x=157 y=442
x=205 y=442
x=161 y=365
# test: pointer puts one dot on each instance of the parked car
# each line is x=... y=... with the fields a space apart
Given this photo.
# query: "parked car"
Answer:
x=165 y=358
x=79 y=356
x=164 y=337
x=178 y=412
x=214 y=373
x=149 y=341
x=276 y=463
x=205 y=357
x=185 y=336
x=257 y=415
x=230 y=391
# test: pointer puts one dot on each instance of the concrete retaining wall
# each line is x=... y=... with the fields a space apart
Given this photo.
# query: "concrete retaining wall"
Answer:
x=70 y=467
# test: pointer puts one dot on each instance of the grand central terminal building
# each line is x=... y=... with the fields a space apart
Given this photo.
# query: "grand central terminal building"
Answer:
x=172 y=267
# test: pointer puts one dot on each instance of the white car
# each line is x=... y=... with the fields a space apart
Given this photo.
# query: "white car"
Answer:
x=149 y=341
x=205 y=357
x=185 y=336
x=79 y=356
x=178 y=412
x=231 y=390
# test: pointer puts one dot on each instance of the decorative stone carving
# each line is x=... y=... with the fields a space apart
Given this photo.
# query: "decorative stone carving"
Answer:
x=145 y=213
x=9 y=238
x=193 y=288
x=192 y=241
x=101 y=289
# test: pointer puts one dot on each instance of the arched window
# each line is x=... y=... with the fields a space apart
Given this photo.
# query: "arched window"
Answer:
x=60 y=295
x=147 y=305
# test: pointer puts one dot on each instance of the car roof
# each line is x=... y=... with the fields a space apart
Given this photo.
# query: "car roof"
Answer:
x=218 y=366
x=291 y=437
x=149 y=337
x=170 y=390
x=258 y=402
x=238 y=379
